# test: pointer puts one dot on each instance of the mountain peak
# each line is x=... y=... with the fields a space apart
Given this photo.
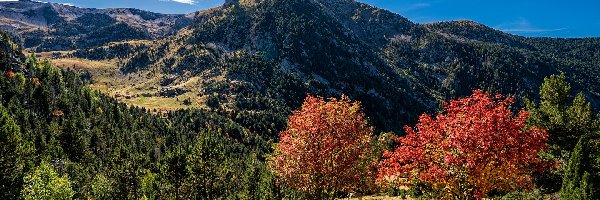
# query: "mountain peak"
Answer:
x=231 y=2
x=252 y=3
x=246 y=3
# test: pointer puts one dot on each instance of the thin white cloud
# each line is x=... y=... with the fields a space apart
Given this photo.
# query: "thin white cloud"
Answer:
x=522 y=25
x=533 y=30
x=415 y=6
x=7 y=0
x=191 y=2
x=419 y=5
x=67 y=4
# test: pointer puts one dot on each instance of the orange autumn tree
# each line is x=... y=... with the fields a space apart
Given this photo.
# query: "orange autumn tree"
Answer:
x=475 y=146
x=326 y=149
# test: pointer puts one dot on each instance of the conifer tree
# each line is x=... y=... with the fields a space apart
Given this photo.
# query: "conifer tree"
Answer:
x=578 y=179
x=567 y=122
x=209 y=171
x=102 y=188
x=12 y=160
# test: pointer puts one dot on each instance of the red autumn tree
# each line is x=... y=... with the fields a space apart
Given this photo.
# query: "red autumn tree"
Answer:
x=326 y=149
x=475 y=146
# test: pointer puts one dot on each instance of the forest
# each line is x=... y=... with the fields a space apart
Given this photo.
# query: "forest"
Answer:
x=62 y=140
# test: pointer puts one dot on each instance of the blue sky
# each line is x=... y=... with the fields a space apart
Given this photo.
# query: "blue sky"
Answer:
x=547 y=18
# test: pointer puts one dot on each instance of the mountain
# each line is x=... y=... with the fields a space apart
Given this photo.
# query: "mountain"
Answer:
x=265 y=56
x=574 y=56
x=255 y=60
x=53 y=27
x=327 y=47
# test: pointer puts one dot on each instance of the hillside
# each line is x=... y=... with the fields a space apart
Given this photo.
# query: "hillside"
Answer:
x=255 y=59
x=53 y=27
x=109 y=150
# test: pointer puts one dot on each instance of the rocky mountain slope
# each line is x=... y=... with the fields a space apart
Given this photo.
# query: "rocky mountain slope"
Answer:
x=328 y=47
x=255 y=60
x=51 y=26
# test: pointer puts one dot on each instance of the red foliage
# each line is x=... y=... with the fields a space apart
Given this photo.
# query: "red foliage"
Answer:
x=474 y=147
x=9 y=74
x=326 y=148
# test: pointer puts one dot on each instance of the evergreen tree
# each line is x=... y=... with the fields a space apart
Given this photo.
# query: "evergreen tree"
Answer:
x=578 y=181
x=570 y=124
x=102 y=188
x=564 y=120
x=209 y=169
x=13 y=151
x=149 y=186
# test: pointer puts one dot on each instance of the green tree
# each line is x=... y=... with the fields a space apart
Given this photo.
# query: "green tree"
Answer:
x=102 y=187
x=579 y=177
x=266 y=186
x=565 y=120
x=44 y=183
x=555 y=90
x=149 y=185
x=13 y=151
x=209 y=168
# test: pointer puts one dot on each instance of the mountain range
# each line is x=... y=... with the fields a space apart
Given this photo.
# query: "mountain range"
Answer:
x=52 y=26
x=255 y=60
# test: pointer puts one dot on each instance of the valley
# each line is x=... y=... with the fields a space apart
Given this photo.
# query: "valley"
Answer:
x=141 y=90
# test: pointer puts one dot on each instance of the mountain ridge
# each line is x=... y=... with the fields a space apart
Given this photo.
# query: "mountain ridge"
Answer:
x=256 y=59
x=64 y=25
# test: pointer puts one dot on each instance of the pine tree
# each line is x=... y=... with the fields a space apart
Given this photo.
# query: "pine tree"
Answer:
x=12 y=156
x=209 y=170
x=566 y=122
x=149 y=186
x=102 y=188
x=577 y=179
